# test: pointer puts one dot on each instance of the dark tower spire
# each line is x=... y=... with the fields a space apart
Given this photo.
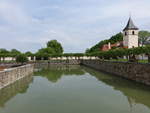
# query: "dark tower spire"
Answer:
x=130 y=25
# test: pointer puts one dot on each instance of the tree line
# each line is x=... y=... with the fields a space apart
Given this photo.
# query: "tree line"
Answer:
x=54 y=49
x=143 y=38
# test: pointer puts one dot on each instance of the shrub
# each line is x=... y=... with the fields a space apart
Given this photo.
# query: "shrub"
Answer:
x=21 y=58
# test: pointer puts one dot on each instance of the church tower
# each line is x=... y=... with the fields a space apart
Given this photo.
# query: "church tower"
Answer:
x=130 y=35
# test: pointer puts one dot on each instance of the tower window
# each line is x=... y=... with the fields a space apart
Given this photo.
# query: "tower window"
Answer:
x=125 y=33
x=133 y=32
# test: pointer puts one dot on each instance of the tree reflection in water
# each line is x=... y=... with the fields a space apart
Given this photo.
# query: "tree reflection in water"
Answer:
x=55 y=72
x=136 y=93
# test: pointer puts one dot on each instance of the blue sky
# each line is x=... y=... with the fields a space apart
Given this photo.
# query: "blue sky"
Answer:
x=27 y=25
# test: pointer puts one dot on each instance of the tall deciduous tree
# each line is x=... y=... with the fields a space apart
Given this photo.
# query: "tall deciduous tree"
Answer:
x=28 y=53
x=56 y=46
x=15 y=52
x=143 y=37
x=4 y=51
x=46 y=51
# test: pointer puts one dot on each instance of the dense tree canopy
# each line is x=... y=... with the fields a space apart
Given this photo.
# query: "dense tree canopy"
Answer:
x=112 y=40
x=143 y=37
x=21 y=58
x=28 y=53
x=4 y=51
x=56 y=46
x=15 y=52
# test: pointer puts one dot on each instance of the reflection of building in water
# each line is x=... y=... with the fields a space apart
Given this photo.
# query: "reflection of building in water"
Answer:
x=136 y=93
x=55 y=72
x=131 y=103
x=12 y=90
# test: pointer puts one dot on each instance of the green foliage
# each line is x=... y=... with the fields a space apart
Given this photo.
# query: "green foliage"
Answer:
x=112 y=40
x=143 y=37
x=119 y=53
x=56 y=46
x=15 y=52
x=4 y=51
x=29 y=54
x=73 y=54
x=53 y=49
x=21 y=58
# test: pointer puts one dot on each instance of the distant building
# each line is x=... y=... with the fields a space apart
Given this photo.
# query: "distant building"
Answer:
x=130 y=38
x=109 y=46
x=130 y=35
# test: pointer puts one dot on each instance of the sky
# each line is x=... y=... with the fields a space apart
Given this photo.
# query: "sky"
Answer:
x=28 y=25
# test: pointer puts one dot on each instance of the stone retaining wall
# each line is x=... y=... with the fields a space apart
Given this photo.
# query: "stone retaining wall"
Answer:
x=133 y=71
x=41 y=64
x=13 y=74
x=10 y=91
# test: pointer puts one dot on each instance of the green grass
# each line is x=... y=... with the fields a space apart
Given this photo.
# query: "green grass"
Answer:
x=143 y=61
x=7 y=61
x=125 y=60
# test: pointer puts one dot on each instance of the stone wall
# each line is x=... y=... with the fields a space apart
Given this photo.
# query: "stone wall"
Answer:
x=11 y=75
x=133 y=71
x=41 y=64
x=10 y=91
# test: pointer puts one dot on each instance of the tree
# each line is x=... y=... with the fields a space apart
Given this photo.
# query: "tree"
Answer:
x=28 y=53
x=87 y=50
x=116 y=38
x=46 y=51
x=21 y=58
x=56 y=46
x=4 y=51
x=15 y=52
x=143 y=37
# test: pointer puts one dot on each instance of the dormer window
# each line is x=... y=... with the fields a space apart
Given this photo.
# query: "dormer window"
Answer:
x=133 y=33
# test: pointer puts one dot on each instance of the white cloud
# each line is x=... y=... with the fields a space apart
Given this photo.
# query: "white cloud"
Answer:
x=77 y=25
x=13 y=13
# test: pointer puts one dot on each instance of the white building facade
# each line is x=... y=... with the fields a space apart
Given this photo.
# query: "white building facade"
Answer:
x=130 y=35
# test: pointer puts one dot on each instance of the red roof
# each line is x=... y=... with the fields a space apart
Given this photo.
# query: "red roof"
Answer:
x=106 y=46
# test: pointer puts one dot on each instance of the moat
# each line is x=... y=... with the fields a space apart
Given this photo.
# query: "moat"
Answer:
x=74 y=89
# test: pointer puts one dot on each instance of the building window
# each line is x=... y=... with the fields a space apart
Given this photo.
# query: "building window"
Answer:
x=133 y=32
x=125 y=33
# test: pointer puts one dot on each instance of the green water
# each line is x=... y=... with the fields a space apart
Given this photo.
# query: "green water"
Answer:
x=74 y=89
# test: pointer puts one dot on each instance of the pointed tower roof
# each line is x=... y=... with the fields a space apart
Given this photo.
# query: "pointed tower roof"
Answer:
x=130 y=25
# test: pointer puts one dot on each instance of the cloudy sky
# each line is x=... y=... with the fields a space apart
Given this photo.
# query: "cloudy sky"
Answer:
x=78 y=24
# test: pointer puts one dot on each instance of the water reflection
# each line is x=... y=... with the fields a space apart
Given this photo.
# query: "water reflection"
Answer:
x=86 y=89
x=55 y=72
x=136 y=93
x=12 y=90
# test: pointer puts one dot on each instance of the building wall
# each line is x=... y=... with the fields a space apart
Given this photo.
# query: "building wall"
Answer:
x=130 y=40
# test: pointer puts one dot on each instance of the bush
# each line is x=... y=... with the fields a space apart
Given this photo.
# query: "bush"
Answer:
x=21 y=58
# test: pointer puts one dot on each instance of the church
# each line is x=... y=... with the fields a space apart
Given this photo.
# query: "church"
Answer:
x=130 y=37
